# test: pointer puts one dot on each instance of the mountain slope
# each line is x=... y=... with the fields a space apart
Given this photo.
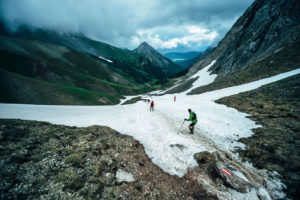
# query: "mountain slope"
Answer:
x=77 y=65
x=30 y=62
x=158 y=59
x=124 y=62
x=265 y=28
x=263 y=42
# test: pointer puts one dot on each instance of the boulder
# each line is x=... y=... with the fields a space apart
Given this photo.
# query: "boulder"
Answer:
x=232 y=179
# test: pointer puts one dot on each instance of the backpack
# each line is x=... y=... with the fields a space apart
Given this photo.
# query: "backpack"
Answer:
x=194 y=116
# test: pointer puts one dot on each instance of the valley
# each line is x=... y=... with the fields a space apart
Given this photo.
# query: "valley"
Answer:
x=76 y=89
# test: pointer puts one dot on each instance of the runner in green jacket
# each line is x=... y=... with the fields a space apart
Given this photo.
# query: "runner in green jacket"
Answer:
x=193 y=118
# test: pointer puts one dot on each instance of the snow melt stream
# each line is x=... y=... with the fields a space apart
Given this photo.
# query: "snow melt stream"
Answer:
x=218 y=127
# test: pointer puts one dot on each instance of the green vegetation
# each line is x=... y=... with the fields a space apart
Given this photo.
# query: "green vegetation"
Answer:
x=70 y=179
x=75 y=160
x=87 y=95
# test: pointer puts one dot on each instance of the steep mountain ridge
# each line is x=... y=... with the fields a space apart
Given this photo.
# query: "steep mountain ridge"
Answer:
x=169 y=67
x=263 y=42
x=265 y=28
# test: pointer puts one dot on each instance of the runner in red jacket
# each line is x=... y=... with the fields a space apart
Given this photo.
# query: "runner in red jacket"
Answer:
x=152 y=106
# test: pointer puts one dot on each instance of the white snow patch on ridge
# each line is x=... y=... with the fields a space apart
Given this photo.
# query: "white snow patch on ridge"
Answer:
x=204 y=77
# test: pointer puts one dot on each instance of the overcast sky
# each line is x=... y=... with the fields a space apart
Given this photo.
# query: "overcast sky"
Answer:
x=127 y=23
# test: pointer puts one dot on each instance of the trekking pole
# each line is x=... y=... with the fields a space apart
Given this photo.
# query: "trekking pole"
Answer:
x=181 y=126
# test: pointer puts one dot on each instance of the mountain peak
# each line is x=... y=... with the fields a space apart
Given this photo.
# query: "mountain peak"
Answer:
x=157 y=58
x=144 y=46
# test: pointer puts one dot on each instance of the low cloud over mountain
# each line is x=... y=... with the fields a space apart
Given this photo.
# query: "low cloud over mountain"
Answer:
x=162 y=23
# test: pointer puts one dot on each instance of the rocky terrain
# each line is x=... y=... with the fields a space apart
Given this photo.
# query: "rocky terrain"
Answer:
x=275 y=146
x=44 y=161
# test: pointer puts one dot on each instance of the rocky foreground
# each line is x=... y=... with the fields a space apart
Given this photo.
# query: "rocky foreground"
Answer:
x=44 y=161
x=276 y=145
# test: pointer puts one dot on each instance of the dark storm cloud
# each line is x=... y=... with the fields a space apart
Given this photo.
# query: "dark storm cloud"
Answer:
x=127 y=22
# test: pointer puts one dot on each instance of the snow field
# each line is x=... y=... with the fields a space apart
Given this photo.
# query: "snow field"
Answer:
x=218 y=127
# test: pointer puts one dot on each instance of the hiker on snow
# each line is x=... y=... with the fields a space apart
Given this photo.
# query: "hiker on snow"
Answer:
x=193 y=118
x=152 y=106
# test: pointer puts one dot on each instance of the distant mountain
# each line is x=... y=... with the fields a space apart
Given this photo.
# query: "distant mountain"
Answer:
x=174 y=56
x=188 y=58
x=182 y=49
x=169 y=67
x=44 y=67
x=179 y=48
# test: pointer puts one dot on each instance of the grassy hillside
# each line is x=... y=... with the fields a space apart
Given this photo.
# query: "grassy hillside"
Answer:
x=78 y=77
x=15 y=88
x=132 y=66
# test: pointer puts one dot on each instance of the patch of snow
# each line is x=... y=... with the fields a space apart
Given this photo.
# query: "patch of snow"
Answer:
x=94 y=52
x=105 y=59
x=240 y=175
x=205 y=77
x=251 y=195
x=178 y=59
x=123 y=176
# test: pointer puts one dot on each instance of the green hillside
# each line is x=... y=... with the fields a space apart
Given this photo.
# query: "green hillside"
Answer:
x=78 y=77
